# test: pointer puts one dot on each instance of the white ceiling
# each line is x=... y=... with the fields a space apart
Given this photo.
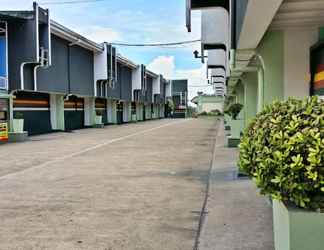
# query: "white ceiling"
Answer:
x=299 y=13
x=258 y=17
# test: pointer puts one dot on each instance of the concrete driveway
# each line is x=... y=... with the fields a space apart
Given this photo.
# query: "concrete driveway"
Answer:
x=137 y=186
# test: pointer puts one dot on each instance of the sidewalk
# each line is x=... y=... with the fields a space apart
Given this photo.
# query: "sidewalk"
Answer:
x=237 y=218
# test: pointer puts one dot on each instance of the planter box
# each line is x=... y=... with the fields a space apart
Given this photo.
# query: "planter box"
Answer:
x=18 y=125
x=98 y=120
x=297 y=229
x=18 y=136
x=237 y=127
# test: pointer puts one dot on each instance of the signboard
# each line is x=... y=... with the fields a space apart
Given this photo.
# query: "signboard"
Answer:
x=3 y=132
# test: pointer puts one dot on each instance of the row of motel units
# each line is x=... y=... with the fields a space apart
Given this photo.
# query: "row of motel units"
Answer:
x=59 y=80
x=274 y=49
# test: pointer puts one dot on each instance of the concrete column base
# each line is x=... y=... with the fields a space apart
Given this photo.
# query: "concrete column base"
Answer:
x=17 y=136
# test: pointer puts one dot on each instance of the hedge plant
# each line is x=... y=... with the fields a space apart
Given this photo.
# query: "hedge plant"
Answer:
x=283 y=151
x=233 y=110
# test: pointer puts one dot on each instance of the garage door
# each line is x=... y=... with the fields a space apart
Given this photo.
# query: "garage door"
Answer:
x=74 y=114
x=101 y=109
x=34 y=108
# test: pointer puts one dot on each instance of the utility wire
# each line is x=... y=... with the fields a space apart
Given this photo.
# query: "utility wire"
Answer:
x=156 y=44
x=70 y=2
x=199 y=86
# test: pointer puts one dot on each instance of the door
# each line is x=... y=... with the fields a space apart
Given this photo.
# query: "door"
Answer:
x=34 y=109
x=74 y=113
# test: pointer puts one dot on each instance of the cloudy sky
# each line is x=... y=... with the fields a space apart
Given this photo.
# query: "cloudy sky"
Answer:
x=135 y=21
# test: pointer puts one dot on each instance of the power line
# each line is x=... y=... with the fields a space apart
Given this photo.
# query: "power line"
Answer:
x=70 y=2
x=156 y=44
x=199 y=86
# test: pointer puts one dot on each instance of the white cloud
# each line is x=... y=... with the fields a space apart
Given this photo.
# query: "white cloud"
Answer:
x=164 y=65
x=101 y=34
x=197 y=81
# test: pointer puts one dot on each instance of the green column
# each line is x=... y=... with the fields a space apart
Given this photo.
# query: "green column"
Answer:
x=260 y=89
x=57 y=111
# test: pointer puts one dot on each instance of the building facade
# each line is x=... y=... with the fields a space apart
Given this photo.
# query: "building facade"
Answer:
x=58 y=80
x=208 y=103
x=272 y=55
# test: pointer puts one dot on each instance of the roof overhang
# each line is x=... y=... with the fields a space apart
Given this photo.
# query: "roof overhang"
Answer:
x=257 y=18
x=297 y=14
x=203 y=4
x=126 y=62
x=65 y=33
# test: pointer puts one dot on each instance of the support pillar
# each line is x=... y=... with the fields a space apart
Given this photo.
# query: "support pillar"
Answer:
x=162 y=110
x=127 y=111
x=57 y=112
x=89 y=111
x=139 y=111
x=11 y=114
x=148 y=112
x=260 y=89
x=111 y=111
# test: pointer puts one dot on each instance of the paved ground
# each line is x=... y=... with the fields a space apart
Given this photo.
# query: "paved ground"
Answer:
x=238 y=217
x=136 y=186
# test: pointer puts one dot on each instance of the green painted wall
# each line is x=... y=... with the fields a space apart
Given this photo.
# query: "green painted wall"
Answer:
x=250 y=81
x=239 y=90
x=201 y=99
x=271 y=49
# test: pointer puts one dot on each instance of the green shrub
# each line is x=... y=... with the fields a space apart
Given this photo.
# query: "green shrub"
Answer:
x=233 y=110
x=283 y=151
x=203 y=113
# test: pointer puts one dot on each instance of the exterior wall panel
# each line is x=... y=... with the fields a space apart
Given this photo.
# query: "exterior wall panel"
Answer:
x=82 y=75
x=126 y=84
x=271 y=49
x=149 y=91
x=21 y=48
x=56 y=77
